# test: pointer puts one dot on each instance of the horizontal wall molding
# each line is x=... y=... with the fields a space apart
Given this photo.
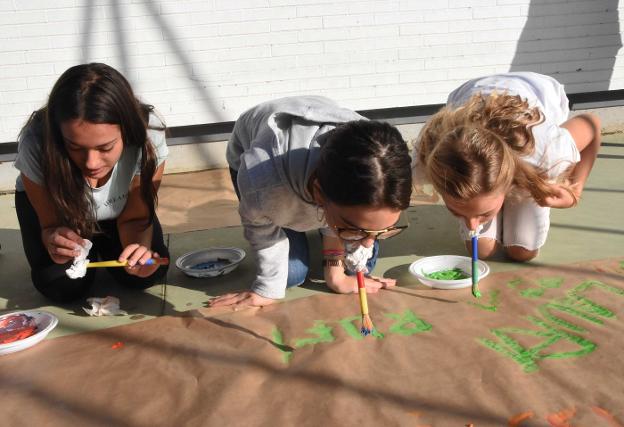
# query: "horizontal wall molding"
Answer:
x=213 y=132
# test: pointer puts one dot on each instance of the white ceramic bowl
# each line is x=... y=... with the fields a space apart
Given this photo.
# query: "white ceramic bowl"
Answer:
x=45 y=323
x=211 y=262
x=432 y=264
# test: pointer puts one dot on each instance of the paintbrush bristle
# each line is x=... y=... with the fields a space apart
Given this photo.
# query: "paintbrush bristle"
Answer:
x=367 y=325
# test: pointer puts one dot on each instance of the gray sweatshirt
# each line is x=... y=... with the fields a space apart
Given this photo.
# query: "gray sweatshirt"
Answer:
x=275 y=147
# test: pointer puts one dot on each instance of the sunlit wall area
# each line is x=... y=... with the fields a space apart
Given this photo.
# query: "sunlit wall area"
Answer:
x=207 y=61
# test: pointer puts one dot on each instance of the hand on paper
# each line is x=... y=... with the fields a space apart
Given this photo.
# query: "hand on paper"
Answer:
x=238 y=299
x=61 y=243
x=137 y=255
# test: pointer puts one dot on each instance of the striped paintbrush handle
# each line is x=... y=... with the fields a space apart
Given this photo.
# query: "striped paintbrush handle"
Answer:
x=115 y=263
x=362 y=292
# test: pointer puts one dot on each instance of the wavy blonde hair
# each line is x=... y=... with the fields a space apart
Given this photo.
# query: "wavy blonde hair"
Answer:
x=476 y=148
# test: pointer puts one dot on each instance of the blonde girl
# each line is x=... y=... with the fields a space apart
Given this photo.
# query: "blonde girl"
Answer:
x=502 y=153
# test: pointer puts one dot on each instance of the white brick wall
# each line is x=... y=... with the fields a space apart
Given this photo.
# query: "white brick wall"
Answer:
x=208 y=60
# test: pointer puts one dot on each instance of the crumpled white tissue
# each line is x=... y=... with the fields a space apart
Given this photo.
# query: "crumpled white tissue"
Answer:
x=357 y=256
x=108 y=306
x=78 y=268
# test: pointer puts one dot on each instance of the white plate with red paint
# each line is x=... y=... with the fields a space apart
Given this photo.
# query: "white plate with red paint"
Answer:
x=23 y=329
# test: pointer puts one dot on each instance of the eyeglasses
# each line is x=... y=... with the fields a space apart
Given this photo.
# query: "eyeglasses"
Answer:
x=357 y=234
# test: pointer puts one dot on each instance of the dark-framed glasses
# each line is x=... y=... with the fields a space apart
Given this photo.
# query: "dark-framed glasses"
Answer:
x=357 y=234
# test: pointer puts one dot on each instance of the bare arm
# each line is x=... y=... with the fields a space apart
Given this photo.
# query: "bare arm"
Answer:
x=135 y=238
x=585 y=130
x=60 y=242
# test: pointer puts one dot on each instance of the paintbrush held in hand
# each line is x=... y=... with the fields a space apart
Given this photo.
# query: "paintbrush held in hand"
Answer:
x=355 y=260
x=115 y=263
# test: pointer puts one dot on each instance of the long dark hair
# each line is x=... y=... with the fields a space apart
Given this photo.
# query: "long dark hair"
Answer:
x=365 y=163
x=95 y=93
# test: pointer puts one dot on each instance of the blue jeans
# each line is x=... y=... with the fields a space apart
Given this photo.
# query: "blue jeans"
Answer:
x=299 y=251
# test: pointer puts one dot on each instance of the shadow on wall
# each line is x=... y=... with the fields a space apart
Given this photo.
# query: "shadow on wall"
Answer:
x=169 y=38
x=576 y=43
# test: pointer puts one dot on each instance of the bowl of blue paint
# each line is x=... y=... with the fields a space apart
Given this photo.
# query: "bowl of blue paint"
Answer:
x=210 y=262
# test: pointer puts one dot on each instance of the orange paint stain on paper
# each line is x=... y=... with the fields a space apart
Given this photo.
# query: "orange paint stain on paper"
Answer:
x=117 y=345
x=517 y=419
x=603 y=413
x=561 y=418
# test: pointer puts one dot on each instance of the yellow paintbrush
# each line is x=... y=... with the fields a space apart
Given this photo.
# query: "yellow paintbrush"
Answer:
x=115 y=263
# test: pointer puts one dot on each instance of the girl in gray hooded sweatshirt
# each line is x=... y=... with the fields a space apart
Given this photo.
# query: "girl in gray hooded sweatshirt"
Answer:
x=304 y=163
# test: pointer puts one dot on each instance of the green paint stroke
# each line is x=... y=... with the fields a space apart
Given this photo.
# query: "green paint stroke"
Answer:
x=349 y=325
x=538 y=291
x=528 y=358
x=493 y=302
x=322 y=331
x=407 y=323
x=622 y=265
x=550 y=282
x=514 y=283
x=589 y=305
x=278 y=338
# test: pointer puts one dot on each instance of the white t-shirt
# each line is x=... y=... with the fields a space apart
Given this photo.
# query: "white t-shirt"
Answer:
x=555 y=149
x=109 y=199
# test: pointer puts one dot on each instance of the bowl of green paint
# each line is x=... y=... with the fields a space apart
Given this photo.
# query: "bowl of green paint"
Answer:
x=447 y=271
x=211 y=262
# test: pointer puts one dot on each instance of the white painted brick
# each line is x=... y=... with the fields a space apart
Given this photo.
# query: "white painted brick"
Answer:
x=373 y=56
x=498 y=35
x=401 y=89
x=374 y=80
x=324 y=83
x=274 y=87
x=297 y=49
x=400 y=65
x=41 y=82
x=423 y=5
x=296 y=24
x=17 y=18
x=400 y=17
x=336 y=8
x=473 y=3
x=423 y=76
x=43 y=4
x=347 y=21
x=52 y=55
x=496 y=12
x=272 y=13
x=244 y=28
x=7 y=5
x=446 y=39
x=30 y=30
x=17 y=97
x=219 y=16
x=186 y=7
x=425 y=28
x=242 y=53
x=448 y=14
x=12 y=58
x=351 y=69
x=16 y=84
x=325 y=34
x=8 y=71
x=240 y=4
x=375 y=6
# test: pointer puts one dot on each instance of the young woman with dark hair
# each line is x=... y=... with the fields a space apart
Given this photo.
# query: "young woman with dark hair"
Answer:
x=91 y=161
x=304 y=163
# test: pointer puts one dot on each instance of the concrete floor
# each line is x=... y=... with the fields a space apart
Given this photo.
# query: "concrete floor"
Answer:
x=198 y=210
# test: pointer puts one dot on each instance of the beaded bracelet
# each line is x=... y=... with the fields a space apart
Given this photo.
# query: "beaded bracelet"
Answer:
x=333 y=263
